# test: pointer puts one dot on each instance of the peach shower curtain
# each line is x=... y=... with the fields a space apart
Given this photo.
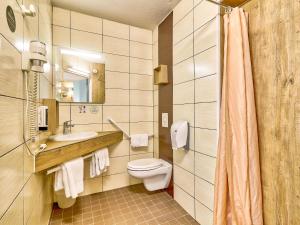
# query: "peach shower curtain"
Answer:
x=238 y=197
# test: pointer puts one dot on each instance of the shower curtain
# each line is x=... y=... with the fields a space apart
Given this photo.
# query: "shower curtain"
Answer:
x=238 y=197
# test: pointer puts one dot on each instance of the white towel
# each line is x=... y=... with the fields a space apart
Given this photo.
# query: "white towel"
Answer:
x=139 y=140
x=99 y=162
x=70 y=178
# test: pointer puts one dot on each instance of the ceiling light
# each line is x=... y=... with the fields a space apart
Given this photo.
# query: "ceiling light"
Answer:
x=79 y=72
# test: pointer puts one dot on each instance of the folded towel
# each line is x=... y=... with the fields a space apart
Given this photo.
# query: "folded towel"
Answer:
x=139 y=140
x=99 y=162
x=72 y=177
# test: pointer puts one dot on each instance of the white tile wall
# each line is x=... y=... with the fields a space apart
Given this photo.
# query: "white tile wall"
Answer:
x=196 y=99
x=128 y=57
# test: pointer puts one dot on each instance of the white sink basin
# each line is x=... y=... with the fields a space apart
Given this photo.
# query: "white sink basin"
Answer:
x=74 y=136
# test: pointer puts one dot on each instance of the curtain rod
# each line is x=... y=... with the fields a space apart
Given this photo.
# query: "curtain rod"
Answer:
x=227 y=8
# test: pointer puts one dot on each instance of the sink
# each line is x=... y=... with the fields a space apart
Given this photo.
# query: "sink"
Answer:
x=74 y=136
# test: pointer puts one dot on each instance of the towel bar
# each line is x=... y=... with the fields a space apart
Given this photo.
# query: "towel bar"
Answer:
x=57 y=168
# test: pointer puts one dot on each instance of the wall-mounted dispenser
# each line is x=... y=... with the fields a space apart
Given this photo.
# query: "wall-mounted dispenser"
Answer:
x=35 y=59
x=179 y=135
x=43 y=118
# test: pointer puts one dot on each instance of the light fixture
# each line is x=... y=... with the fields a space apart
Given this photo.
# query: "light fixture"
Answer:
x=82 y=54
x=80 y=72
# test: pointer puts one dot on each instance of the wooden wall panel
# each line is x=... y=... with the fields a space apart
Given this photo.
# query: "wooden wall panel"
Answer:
x=274 y=31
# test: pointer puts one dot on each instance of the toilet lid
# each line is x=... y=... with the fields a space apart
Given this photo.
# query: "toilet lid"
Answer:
x=144 y=164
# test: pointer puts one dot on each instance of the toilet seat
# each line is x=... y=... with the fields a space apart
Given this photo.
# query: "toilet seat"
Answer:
x=144 y=164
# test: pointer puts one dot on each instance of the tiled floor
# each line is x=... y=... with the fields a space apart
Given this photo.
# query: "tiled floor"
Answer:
x=126 y=206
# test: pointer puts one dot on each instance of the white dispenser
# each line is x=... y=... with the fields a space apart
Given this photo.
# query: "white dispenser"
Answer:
x=179 y=134
x=43 y=117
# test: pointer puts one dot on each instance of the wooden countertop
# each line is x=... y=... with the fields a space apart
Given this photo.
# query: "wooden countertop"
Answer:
x=59 y=152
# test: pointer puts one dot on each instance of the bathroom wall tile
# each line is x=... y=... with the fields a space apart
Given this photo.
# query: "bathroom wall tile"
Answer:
x=116 y=97
x=45 y=90
x=183 y=71
x=143 y=150
x=117 y=63
x=85 y=22
x=183 y=28
x=204 y=12
x=206 y=115
x=61 y=17
x=206 y=37
x=184 y=179
x=183 y=93
x=15 y=38
x=93 y=114
x=184 y=199
x=134 y=180
x=141 y=82
x=140 y=35
x=205 y=167
x=156 y=147
x=156 y=98
x=11 y=117
x=12 y=175
x=206 y=63
x=119 y=149
x=32 y=190
x=61 y=36
x=116 y=80
x=115 y=46
x=184 y=159
x=86 y=41
x=117 y=113
x=14 y=214
x=140 y=50
x=207 y=89
x=114 y=29
x=155 y=34
x=92 y=186
x=206 y=141
x=96 y=127
x=11 y=77
x=155 y=54
x=203 y=215
x=141 y=156
x=141 y=114
x=141 y=66
x=117 y=165
x=184 y=112
x=183 y=50
x=141 y=98
x=64 y=112
x=141 y=128
x=155 y=116
x=204 y=192
x=181 y=10
x=115 y=181
x=28 y=163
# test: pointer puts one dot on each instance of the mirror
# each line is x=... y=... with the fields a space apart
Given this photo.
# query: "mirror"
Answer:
x=80 y=76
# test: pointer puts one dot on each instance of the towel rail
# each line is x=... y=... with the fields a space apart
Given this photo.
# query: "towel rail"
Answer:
x=120 y=128
x=57 y=168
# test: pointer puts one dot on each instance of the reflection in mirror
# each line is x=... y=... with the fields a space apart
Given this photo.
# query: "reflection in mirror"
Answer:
x=80 y=76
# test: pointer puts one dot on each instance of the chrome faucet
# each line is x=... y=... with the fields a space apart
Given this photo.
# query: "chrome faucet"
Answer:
x=67 y=127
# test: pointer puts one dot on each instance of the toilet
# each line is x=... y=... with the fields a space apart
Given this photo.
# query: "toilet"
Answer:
x=155 y=173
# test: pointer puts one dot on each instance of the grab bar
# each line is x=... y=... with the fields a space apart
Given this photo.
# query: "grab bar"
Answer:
x=120 y=128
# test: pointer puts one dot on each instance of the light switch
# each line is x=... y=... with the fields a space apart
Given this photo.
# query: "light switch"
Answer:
x=165 y=119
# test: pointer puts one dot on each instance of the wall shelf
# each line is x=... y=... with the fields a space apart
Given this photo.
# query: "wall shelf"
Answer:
x=161 y=75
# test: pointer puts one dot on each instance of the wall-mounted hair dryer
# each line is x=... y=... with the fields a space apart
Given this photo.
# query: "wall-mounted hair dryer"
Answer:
x=35 y=59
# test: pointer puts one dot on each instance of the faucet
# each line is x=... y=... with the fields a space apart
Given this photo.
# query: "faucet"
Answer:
x=67 y=127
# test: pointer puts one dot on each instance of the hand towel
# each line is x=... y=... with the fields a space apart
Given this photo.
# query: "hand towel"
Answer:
x=139 y=140
x=99 y=162
x=72 y=173
x=58 y=181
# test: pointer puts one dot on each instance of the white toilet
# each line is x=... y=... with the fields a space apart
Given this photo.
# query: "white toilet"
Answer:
x=156 y=173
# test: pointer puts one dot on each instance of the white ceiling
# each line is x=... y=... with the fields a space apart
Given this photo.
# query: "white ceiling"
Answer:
x=141 y=13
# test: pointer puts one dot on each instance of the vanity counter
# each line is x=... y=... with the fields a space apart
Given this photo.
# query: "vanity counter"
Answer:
x=58 y=152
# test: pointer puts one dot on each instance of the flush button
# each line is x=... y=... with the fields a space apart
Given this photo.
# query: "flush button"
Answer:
x=165 y=119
